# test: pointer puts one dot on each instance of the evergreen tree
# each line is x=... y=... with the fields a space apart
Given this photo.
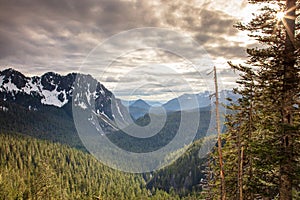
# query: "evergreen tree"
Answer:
x=262 y=142
x=35 y=169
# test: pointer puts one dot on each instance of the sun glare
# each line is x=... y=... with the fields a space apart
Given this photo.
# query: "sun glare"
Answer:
x=280 y=15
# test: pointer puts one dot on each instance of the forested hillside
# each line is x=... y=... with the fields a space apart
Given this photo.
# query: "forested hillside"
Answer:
x=186 y=174
x=35 y=169
x=47 y=122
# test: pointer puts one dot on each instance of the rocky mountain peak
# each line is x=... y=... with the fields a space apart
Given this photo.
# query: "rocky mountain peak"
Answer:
x=52 y=89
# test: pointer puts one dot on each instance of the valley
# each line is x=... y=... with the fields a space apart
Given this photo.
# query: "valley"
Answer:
x=32 y=121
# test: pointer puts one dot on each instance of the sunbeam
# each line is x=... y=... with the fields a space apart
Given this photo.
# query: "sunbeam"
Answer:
x=280 y=15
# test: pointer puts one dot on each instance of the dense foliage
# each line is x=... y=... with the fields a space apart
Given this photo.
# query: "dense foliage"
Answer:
x=32 y=169
x=35 y=169
x=46 y=122
x=186 y=174
x=261 y=154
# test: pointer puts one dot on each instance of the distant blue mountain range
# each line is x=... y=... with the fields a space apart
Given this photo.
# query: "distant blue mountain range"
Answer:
x=184 y=102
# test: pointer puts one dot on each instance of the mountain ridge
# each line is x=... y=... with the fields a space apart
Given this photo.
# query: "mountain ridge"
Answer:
x=25 y=96
x=44 y=104
x=51 y=89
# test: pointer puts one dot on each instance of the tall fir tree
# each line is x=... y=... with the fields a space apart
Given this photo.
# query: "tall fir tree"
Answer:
x=261 y=153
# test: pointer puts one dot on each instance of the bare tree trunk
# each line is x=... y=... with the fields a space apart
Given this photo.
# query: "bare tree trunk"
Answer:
x=240 y=167
x=285 y=188
x=241 y=173
x=250 y=137
x=222 y=176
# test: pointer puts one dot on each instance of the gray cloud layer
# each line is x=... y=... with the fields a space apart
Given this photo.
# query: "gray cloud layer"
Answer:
x=41 y=35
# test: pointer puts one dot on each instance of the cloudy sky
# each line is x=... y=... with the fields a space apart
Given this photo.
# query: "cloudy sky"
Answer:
x=137 y=48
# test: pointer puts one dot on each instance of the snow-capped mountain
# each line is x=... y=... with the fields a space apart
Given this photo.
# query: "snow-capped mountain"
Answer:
x=55 y=90
x=49 y=89
x=195 y=101
x=79 y=92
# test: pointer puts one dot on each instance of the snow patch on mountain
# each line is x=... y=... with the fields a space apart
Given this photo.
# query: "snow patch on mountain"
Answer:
x=48 y=97
x=120 y=112
x=1 y=80
x=82 y=105
x=11 y=86
x=31 y=87
x=52 y=98
x=50 y=92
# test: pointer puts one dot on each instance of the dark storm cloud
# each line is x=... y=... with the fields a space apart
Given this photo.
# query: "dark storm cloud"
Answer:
x=46 y=28
x=49 y=30
x=208 y=27
x=57 y=35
